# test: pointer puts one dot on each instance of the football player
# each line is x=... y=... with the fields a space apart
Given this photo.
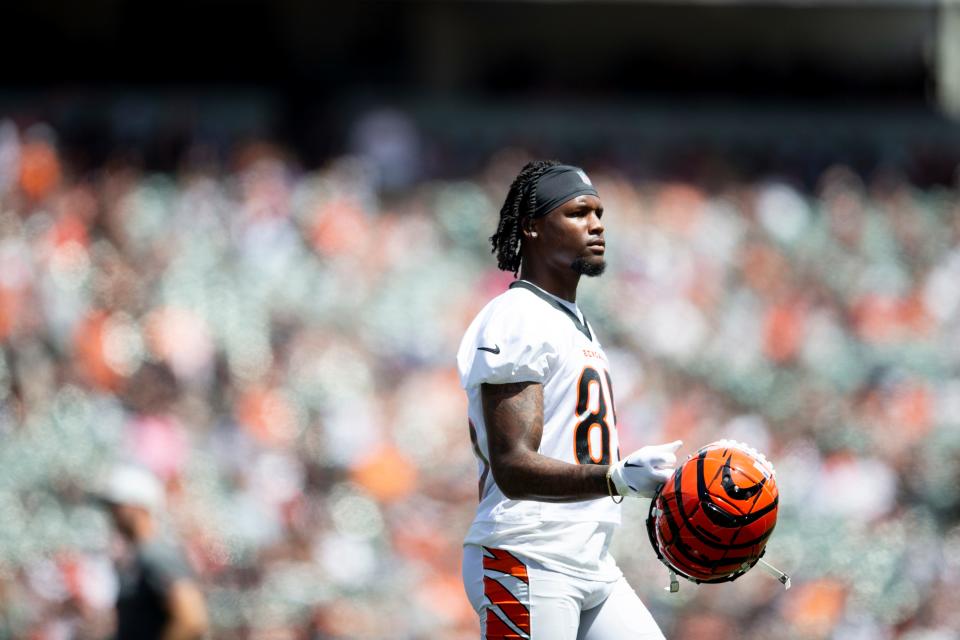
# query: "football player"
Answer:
x=543 y=424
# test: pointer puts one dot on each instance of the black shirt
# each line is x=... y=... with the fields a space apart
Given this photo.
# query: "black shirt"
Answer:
x=145 y=581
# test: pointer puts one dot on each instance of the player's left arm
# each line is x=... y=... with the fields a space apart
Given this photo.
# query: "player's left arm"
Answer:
x=187 y=610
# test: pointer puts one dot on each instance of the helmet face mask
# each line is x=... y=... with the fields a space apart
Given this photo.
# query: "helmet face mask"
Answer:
x=711 y=521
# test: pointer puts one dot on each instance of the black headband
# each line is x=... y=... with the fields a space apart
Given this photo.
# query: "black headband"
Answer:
x=558 y=184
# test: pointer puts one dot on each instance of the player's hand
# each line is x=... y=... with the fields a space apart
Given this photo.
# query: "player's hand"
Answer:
x=643 y=471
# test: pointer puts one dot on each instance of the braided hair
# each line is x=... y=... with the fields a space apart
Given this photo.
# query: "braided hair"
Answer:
x=519 y=204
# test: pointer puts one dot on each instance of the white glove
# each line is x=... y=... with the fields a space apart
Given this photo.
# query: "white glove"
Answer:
x=640 y=473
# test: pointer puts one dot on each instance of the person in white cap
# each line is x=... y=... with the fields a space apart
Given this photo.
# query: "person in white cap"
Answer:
x=158 y=595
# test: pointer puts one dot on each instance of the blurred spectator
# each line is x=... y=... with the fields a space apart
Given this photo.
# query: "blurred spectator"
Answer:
x=158 y=596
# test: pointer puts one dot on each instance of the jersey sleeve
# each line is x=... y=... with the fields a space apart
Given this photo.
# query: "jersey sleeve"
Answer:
x=506 y=346
x=163 y=564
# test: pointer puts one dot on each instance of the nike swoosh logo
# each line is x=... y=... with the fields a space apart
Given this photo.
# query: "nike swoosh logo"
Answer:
x=731 y=488
x=495 y=350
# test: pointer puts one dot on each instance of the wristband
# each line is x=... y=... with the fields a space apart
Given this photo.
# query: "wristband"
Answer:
x=610 y=489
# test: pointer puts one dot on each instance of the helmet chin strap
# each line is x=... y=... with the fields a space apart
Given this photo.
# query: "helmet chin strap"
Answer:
x=768 y=568
x=776 y=573
x=674 y=583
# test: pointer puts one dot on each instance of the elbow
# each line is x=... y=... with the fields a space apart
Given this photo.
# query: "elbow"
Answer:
x=194 y=627
x=201 y=626
x=509 y=476
x=513 y=493
x=199 y=622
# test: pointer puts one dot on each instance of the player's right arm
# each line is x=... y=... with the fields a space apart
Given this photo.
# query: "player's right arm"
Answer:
x=513 y=414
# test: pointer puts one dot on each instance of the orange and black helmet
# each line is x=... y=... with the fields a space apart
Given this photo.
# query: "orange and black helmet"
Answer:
x=711 y=521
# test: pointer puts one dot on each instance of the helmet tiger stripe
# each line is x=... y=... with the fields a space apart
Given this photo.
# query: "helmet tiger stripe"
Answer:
x=711 y=520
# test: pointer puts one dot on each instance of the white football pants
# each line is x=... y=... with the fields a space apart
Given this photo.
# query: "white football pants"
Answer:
x=517 y=599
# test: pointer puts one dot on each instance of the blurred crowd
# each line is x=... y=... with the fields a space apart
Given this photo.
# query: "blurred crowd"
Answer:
x=277 y=346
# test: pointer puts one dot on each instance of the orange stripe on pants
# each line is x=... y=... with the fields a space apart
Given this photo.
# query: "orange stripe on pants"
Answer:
x=513 y=608
x=505 y=562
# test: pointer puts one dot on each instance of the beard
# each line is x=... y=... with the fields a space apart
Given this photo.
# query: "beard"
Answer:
x=589 y=269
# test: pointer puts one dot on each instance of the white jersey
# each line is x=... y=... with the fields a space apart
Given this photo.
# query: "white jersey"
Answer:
x=528 y=335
